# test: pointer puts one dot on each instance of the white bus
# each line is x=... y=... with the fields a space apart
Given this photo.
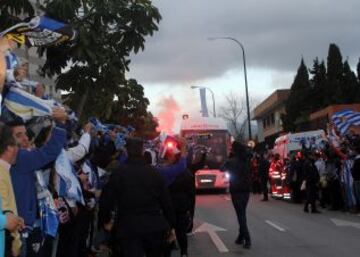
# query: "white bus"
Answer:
x=219 y=140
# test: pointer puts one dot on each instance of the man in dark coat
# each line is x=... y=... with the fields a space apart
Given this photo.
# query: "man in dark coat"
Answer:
x=144 y=216
x=240 y=182
x=312 y=178
x=297 y=176
x=263 y=167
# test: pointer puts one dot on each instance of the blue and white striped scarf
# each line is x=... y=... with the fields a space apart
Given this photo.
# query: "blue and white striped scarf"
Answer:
x=68 y=185
x=26 y=105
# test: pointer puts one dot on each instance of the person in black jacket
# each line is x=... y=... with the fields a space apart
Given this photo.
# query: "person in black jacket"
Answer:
x=238 y=166
x=312 y=179
x=182 y=192
x=144 y=216
x=263 y=167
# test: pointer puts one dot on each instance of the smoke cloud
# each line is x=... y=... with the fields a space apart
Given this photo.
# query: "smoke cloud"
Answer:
x=169 y=112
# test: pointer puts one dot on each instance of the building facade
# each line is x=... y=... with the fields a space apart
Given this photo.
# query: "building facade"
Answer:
x=268 y=116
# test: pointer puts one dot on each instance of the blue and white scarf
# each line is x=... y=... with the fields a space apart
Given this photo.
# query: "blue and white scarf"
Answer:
x=68 y=185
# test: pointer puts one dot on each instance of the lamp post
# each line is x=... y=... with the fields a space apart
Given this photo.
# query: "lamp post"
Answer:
x=245 y=76
x=212 y=95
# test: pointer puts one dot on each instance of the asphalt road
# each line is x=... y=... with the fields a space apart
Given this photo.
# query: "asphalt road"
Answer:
x=277 y=228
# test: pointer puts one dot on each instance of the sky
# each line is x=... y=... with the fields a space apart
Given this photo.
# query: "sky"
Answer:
x=276 y=34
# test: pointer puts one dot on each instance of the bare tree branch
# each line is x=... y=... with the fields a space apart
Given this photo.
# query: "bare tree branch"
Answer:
x=233 y=113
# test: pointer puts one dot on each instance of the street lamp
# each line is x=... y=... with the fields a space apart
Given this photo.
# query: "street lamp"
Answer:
x=212 y=95
x=245 y=75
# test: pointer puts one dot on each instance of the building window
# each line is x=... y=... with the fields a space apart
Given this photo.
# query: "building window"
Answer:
x=272 y=118
x=264 y=123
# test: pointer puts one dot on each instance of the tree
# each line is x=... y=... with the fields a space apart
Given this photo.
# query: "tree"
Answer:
x=130 y=103
x=337 y=85
x=126 y=106
x=335 y=72
x=233 y=113
x=130 y=108
x=318 y=84
x=350 y=86
x=298 y=104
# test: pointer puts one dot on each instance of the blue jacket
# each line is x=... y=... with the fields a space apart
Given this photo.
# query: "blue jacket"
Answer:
x=169 y=173
x=22 y=173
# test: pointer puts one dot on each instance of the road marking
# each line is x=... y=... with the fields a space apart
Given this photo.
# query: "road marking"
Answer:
x=345 y=223
x=227 y=198
x=275 y=226
x=211 y=230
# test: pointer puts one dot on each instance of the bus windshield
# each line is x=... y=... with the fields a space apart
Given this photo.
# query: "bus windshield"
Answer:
x=218 y=141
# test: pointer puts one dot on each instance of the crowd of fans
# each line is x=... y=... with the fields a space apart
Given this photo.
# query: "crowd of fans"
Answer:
x=71 y=190
x=327 y=176
x=45 y=215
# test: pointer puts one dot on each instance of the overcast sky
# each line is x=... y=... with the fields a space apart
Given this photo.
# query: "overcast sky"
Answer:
x=275 y=34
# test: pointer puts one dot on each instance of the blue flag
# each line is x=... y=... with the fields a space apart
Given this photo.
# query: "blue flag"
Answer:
x=343 y=120
x=48 y=216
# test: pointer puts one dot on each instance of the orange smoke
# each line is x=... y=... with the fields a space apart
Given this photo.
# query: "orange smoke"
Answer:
x=168 y=114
